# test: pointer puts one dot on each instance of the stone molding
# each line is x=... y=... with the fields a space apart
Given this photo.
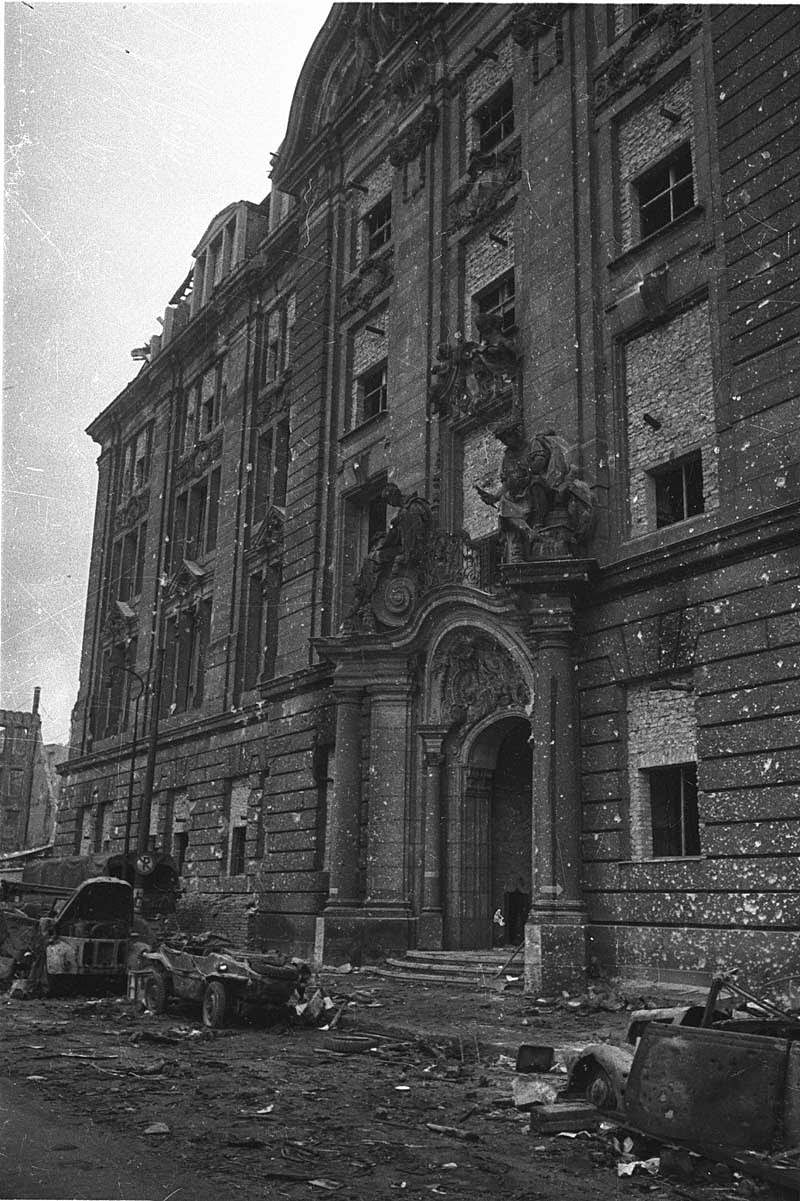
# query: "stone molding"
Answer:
x=674 y=25
x=373 y=277
x=490 y=178
x=199 y=458
x=408 y=143
x=133 y=510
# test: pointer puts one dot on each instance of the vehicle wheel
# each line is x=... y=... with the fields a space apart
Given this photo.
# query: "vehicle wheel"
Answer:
x=215 y=1003
x=600 y=1090
x=155 y=992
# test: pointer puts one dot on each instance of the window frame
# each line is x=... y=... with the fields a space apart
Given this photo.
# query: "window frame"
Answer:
x=688 y=828
x=664 y=164
x=377 y=226
x=381 y=390
x=661 y=472
x=490 y=126
x=480 y=307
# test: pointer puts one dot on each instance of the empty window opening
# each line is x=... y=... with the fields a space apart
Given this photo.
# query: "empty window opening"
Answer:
x=678 y=490
x=673 y=809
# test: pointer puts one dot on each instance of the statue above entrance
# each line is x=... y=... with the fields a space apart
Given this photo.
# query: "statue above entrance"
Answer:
x=545 y=510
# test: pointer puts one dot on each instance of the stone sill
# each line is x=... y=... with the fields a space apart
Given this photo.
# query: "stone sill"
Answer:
x=645 y=244
x=363 y=427
x=662 y=859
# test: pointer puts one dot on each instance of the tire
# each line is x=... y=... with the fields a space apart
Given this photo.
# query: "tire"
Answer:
x=600 y=1090
x=155 y=992
x=215 y=1005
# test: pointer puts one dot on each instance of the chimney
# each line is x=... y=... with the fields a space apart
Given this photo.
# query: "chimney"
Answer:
x=36 y=694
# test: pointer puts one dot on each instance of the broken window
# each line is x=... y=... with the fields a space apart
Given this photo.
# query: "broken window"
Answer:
x=195 y=519
x=666 y=191
x=499 y=300
x=673 y=810
x=495 y=119
x=378 y=225
x=136 y=462
x=372 y=392
x=238 y=801
x=678 y=490
x=186 y=644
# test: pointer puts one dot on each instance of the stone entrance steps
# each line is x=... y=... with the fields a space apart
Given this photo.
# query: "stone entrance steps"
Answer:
x=470 y=969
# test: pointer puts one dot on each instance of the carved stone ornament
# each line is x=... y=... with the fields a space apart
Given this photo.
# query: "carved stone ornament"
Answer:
x=410 y=142
x=199 y=458
x=184 y=583
x=374 y=276
x=474 y=382
x=267 y=539
x=476 y=677
x=635 y=62
x=545 y=510
x=404 y=564
x=490 y=178
x=120 y=625
x=132 y=511
x=533 y=21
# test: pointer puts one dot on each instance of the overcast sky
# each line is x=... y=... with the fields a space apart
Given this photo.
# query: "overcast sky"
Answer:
x=128 y=127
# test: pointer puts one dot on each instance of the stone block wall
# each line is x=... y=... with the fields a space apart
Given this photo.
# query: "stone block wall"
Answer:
x=669 y=377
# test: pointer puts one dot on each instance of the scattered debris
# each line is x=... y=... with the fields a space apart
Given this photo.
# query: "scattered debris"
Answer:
x=157 y=1128
x=534 y=1058
x=469 y=1136
x=527 y=1093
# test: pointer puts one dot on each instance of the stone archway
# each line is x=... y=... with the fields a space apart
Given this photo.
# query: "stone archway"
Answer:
x=490 y=838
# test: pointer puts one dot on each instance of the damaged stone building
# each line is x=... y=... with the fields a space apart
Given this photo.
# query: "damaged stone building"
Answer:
x=29 y=782
x=457 y=502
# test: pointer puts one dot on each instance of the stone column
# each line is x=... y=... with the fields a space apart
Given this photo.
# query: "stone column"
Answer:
x=555 y=950
x=343 y=890
x=430 y=931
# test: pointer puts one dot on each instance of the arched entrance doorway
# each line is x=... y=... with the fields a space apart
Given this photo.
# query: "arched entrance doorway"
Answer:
x=491 y=895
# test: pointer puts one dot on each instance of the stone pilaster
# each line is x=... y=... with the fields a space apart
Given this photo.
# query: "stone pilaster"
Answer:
x=430 y=929
x=343 y=891
x=555 y=953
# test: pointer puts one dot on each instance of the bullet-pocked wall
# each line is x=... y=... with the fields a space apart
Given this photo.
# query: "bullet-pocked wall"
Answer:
x=615 y=185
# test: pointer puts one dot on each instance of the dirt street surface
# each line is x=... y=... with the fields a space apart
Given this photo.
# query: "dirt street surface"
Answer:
x=101 y=1100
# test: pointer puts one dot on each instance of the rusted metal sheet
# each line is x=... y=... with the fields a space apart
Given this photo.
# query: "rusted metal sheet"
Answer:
x=727 y=1090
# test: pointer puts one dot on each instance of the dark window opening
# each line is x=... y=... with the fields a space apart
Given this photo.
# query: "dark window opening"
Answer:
x=378 y=223
x=665 y=192
x=376 y=519
x=498 y=301
x=496 y=118
x=679 y=490
x=238 y=840
x=186 y=642
x=372 y=392
x=673 y=809
x=180 y=845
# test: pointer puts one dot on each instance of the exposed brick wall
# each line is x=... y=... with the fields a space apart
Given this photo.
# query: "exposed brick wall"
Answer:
x=481 y=83
x=368 y=349
x=483 y=455
x=662 y=730
x=484 y=261
x=668 y=373
x=377 y=182
x=646 y=136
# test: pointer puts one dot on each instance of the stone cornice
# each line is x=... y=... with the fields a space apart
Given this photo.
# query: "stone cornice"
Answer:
x=696 y=554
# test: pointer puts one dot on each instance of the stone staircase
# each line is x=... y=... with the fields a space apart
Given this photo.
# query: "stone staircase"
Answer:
x=468 y=969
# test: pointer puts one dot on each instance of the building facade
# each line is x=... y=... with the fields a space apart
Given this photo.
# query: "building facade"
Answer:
x=455 y=507
x=29 y=782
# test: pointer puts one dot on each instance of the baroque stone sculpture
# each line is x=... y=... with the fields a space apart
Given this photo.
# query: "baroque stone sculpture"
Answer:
x=408 y=560
x=471 y=378
x=545 y=510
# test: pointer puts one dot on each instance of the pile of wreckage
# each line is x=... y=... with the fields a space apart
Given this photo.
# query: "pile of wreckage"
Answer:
x=717 y=1083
